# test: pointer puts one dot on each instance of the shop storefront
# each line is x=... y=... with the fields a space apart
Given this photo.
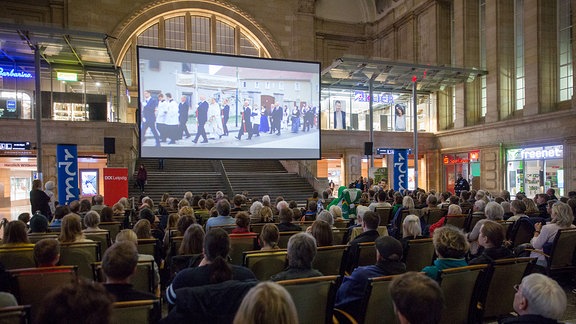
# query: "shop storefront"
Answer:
x=467 y=164
x=534 y=170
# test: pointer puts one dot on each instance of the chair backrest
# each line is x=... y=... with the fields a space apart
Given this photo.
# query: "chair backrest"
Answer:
x=81 y=254
x=304 y=224
x=32 y=284
x=147 y=246
x=382 y=230
x=471 y=221
x=139 y=311
x=385 y=214
x=521 y=231
x=265 y=264
x=377 y=304
x=563 y=251
x=15 y=315
x=257 y=227
x=227 y=228
x=179 y=263
x=420 y=254
x=142 y=280
x=456 y=220
x=434 y=215
x=113 y=227
x=103 y=237
x=175 y=242
x=329 y=259
x=361 y=254
x=338 y=235
x=498 y=290
x=313 y=298
x=239 y=243
x=283 y=239
x=340 y=224
x=35 y=237
x=458 y=286
x=17 y=257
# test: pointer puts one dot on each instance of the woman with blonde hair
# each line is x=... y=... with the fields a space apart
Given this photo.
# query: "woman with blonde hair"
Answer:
x=562 y=218
x=411 y=230
x=143 y=229
x=266 y=215
x=71 y=230
x=267 y=302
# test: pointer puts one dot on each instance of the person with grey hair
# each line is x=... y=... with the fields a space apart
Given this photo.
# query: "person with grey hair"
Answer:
x=255 y=216
x=301 y=253
x=518 y=208
x=327 y=217
x=544 y=235
x=98 y=204
x=286 y=217
x=336 y=211
x=538 y=299
x=223 y=218
x=91 y=221
x=492 y=211
x=189 y=196
x=266 y=200
x=506 y=206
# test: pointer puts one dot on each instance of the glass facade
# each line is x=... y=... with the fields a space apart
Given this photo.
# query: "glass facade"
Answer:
x=467 y=164
x=534 y=170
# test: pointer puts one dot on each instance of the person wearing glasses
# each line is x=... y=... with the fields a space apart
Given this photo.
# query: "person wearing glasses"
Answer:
x=538 y=299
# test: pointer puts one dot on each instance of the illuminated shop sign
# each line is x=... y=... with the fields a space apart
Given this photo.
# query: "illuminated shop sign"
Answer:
x=6 y=73
x=14 y=146
x=536 y=153
x=455 y=159
x=66 y=76
x=384 y=98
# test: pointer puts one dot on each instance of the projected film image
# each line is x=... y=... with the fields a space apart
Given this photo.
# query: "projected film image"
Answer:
x=206 y=106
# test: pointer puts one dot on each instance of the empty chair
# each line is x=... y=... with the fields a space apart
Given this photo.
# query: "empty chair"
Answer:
x=32 y=284
x=139 y=311
x=313 y=298
x=499 y=296
x=562 y=253
x=458 y=286
x=239 y=243
x=420 y=254
x=80 y=254
x=17 y=257
x=265 y=264
x=147 y=246
x=329 y=259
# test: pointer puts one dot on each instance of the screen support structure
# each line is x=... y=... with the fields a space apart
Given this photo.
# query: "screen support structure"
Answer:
x=415 y=116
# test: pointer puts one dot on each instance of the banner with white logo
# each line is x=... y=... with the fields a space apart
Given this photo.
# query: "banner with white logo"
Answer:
x=115 y=185
x=400 y=169
x=67 y=163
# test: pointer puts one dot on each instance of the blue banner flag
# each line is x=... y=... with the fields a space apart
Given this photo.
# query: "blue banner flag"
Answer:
x=400 y=169
x=67 y=163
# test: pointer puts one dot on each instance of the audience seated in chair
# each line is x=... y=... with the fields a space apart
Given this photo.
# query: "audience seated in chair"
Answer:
x=417 y=299
x=539 y=300
x=562 y=218
x=370 y=223
x=493 y=211
x=388 y=262
x=380 y=201
x=286 y=217
x=411 y=230
x=38 y=224
x=71 y=231
x=322 y=232
x=453 y=210
x=80 y=302
x=15 y=235
x=47 y=253
x=60 y=212
x=360 y=211
x=223 y=218
x=213 y=269
x=451 y=247
x=129 y=236
x=242 y=221
x=301 y=253
x=91 y=221
x=491 y=239
x=269 y=237
x=267 y=302
x=119 y=264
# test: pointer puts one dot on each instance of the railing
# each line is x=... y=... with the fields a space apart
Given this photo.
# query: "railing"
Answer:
x=294 y=166
x=219 y=167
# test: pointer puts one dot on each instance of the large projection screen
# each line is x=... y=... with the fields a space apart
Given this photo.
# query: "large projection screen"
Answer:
x=197 y=105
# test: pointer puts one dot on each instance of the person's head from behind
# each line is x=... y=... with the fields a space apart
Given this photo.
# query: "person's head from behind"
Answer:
x=540 y=295
x=431 y=201
x=127 y=235
x=450 y=242
x=79 y=302
x=269 y=236
x=62 y=211
x=494 y=211
x=266 y=214
x=24 y=217
x=286 y=215
x=92 y=219
x=223 y=207
x=301 y=251
x=238 y=200
x=267 y=302
x=562 y=214
x=242 y=220
x=119 y=262
x=148 y=214
x=411 y=226
x=388 y=248
x=492 y=234
x=192 y=241
x=322 y=232
x=411 y=289
x=216 y=249
x=454 y=210
x=15 y=232
x=370 y=221
x=106 y=214
x=38 y=224
x=326 y=216
x=184 y=222
x=517 y=207
x=143 y=229
x=47 y=252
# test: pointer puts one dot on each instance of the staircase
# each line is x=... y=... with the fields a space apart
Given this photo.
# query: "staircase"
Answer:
x=257 y=177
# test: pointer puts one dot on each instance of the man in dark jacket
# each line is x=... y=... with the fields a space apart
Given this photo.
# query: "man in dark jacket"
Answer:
x=351 y=292
x=370 y=223
x=149 y=117
x=202 y=115
x=183 y=107
x=246 y=122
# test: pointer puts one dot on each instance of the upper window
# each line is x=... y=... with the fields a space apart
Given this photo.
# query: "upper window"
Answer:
x=565 y=48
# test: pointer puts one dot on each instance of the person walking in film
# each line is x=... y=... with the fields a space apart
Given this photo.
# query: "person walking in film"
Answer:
x=246 y=126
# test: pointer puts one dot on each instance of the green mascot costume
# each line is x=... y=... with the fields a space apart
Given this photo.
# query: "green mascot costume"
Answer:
x=348 y=200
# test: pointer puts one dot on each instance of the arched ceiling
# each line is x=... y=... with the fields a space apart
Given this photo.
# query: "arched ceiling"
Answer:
x=357 y=11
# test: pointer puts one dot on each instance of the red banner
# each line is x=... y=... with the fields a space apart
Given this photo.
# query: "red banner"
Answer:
x=115 y=185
